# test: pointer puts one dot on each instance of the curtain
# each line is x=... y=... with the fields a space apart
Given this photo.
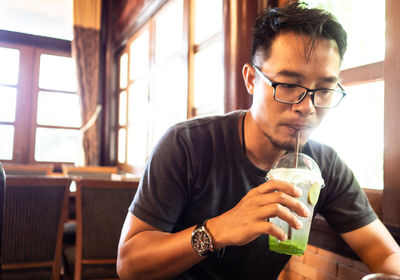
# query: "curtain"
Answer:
x=86 y=51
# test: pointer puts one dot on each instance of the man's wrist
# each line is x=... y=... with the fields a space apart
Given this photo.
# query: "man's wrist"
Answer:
x=212 y=228
x=202 y=241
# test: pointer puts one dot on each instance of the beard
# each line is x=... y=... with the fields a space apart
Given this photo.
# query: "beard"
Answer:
x=288 y=144
x=281 y=144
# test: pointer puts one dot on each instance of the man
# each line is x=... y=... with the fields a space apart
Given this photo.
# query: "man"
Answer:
x=207 y=175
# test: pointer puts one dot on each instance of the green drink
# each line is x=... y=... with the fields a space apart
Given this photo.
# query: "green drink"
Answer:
x=307 y=177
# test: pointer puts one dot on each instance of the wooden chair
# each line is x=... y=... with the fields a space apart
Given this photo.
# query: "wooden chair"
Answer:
x=35 y=209
x=89 y=172
x=28 y=169
x=101 y=208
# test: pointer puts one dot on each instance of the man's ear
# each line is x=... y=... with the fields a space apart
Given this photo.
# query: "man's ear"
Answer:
x=249 y=77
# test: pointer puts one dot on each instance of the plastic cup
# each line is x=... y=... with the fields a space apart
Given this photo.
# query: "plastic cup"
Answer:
x=380 y=276
x=304 y=173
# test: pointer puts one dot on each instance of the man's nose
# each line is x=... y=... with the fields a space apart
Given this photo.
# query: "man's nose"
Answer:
x=306 y=106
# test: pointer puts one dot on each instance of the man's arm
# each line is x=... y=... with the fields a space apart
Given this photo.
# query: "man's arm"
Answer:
x=376 y=247
x=145 y=252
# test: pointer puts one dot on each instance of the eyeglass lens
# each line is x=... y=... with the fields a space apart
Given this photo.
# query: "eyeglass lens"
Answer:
x=294 y=94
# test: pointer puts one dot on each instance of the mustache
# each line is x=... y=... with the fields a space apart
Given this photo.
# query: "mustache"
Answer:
x=298 y=124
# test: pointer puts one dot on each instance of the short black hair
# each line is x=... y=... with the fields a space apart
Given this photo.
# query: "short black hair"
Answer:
x=298 y=18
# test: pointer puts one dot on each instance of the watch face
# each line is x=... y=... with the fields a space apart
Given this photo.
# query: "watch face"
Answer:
x=200 y=241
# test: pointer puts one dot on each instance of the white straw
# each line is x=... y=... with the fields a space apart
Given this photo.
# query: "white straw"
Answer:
x=296 y=149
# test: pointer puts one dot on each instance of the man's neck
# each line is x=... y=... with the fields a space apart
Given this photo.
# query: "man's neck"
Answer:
x=259 y=149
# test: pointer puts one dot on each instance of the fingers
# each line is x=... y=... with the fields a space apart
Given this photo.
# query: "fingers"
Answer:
x=271 y=229
x=277 y=210
x=280 y=198
x=249 y=218
x=278 y=185
x=278 y=192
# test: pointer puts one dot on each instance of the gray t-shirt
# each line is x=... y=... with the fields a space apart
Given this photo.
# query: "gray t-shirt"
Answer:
x=198 y=170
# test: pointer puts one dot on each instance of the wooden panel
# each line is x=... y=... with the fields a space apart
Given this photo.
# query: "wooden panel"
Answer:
x=375 y=199
x=239 y=18
x=129 y=15
x=362 y=74
x=28 y=169
x=107 y=81
x=34 y=40
x=323 y=236
x=101 y=172
x=391 y=196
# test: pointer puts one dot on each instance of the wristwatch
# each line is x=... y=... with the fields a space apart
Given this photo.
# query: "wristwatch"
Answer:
x=202 y=241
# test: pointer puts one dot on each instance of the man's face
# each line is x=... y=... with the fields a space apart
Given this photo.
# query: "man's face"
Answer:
x=288 y=63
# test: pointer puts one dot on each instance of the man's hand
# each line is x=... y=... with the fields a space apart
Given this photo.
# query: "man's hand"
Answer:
x=249 y=218
x=168 y=254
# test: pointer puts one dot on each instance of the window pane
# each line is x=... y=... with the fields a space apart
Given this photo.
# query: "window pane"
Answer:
x=122 y=108
x=137 y=144
x=6 y=141
x=138 y=124
x=169 y=30
x=49 y=19
x=139 y=62
x=138 y=102
x=8 y=103
x=364 y=22
x=122 y=145
x=208 y=18
x=58 y=145
x=208 y=85
x=169 y=90
x=169 y=98
x=59 y=109
x=9 y=66
x=123 y=71
x=57 y=73
x=337 y=130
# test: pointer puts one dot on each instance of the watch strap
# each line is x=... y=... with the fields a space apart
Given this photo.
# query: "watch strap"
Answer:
x=220 y=252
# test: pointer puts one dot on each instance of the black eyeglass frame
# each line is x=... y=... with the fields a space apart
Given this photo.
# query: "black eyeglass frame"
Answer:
x=309 y=91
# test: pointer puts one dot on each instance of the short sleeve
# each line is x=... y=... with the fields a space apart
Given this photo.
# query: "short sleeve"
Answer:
x=342 y=202
x=163 y=191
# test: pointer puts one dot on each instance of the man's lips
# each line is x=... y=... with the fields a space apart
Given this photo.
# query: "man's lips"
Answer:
x=298 y=127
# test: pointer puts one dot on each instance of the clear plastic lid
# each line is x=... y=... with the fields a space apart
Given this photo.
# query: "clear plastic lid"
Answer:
x=294 y=166
x=303 y=162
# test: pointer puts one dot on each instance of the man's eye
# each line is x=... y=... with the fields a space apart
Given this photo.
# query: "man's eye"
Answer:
x=324 y=91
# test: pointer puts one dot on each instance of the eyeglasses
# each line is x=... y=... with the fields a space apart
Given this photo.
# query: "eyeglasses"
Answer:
x=294 y=94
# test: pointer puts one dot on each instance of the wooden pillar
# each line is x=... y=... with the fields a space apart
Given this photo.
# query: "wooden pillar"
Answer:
x=239 y=17
x=391 y=194
x=107 y=83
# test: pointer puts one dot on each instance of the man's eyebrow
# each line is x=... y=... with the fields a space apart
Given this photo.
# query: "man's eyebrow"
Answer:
x=290 y=74
x=332 y=79
x=299 y=76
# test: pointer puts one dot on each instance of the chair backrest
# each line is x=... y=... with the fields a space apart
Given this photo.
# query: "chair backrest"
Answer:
x=35 y=210
x=89 y=172
x=101 y=208
x=28 y=169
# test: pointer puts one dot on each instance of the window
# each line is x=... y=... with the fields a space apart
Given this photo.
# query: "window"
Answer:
x=33 y=17
x=40 y=112
x=207 y=52
x=8 y=93
x=168 y=74
x=357 y=134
